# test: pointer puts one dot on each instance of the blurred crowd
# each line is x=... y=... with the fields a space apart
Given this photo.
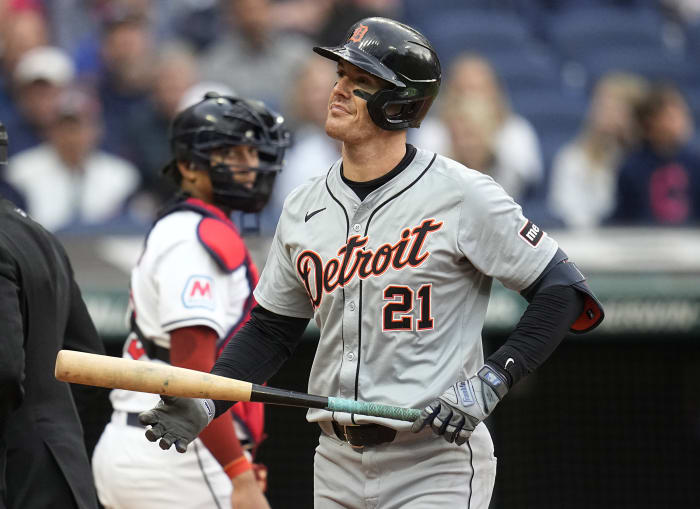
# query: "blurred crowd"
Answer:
x=88 y=88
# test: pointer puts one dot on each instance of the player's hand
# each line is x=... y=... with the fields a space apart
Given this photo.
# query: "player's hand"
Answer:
x=177 y=421
x=456 y=413
x=246 y=492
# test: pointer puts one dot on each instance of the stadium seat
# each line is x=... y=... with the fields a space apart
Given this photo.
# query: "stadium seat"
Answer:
x=654 y=64
x=483 y=31
x=527 y=69
x=578 y=32
x=415 y=12
x=556 y=117
x=692 y=33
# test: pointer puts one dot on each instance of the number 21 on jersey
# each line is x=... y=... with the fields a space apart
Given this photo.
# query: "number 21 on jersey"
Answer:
x=397 y=314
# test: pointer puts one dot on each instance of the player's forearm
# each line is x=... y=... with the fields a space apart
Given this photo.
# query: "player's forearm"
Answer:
x=195 y=348
x=221 y=440
x=259 y=349
x=541 y=329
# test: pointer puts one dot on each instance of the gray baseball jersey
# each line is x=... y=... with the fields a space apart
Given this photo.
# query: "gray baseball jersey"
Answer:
x=398 y=283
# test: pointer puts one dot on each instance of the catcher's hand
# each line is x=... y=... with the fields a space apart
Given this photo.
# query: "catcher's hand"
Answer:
x=456 y=413
x=177 y=421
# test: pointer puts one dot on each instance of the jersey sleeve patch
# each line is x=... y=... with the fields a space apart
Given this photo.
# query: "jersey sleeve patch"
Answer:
x=222 y=242
x=199 y=293
x=531 y=233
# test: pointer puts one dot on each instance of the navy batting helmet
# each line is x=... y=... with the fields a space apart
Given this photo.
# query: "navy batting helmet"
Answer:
x=221 y=121
x=400 y=55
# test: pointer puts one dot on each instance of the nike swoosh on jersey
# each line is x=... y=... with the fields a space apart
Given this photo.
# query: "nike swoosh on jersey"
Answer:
x=309 y=215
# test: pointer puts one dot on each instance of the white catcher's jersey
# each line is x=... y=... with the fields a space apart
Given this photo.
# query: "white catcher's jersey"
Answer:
x=176 y=284
x=398 y=283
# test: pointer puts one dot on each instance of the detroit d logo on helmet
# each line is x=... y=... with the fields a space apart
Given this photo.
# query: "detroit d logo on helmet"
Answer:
x=359 y=33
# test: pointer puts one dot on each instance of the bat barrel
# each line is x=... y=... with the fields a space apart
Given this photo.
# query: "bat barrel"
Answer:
x=157 y=378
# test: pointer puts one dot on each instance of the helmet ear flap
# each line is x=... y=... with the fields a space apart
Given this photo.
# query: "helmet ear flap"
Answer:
x=408 y=114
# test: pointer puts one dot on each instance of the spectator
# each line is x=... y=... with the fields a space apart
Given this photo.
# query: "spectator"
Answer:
x=313 y=151
x=66 y=180
x=194 y=94
x=146 y=135
x=253 y=59
x=659 y=183
x=39 y=78
x=126 y=78
x=19 y=32
x=516 y=145
x=584 y=171
x=472 y=125
x=7 y=190
x=325 y=20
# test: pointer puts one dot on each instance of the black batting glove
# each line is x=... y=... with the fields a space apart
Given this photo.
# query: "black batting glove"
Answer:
x=457 y=412
x=177 y=421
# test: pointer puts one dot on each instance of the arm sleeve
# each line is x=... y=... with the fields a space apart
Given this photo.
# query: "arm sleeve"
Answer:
x=541 y=329
x=11 y=342
x=259 y=348
x=195 y=348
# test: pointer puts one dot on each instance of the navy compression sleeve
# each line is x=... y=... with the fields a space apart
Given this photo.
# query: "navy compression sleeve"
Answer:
x=259 y=349
x=542 y=327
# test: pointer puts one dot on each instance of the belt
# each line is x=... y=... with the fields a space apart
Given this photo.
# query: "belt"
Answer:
x=132 y=419
x=364 y=435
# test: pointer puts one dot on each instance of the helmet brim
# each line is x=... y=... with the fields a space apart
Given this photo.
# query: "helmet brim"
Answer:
x=362 y=60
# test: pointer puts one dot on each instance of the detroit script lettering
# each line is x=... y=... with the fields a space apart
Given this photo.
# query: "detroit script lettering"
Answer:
x=353 y=260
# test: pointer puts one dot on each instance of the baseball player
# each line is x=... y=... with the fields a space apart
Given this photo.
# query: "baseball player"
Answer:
x=393 y=252
x=190 y=292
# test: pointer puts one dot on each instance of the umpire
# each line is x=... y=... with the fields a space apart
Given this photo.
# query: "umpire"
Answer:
x=43 y=460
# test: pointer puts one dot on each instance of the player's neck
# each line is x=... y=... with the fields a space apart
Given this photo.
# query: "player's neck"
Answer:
x=371 y=159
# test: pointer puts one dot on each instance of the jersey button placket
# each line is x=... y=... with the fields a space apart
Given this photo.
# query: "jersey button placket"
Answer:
x=350 y=335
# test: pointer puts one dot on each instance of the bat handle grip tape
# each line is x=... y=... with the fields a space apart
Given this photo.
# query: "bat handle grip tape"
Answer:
x=374 y=409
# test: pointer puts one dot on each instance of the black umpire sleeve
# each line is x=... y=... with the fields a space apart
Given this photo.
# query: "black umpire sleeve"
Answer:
x=94 y=408
x=11 y=341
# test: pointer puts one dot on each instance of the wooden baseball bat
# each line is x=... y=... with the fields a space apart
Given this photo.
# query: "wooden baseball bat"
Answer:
x=118 y=373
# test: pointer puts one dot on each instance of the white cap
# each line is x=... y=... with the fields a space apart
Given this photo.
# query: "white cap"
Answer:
x=45 y=63
x=196 y=92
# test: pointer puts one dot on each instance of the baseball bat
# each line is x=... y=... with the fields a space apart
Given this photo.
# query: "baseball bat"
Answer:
x=118 y=373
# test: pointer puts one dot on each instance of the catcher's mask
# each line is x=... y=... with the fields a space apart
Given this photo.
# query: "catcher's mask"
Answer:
x=399 y=55
x=218 y=122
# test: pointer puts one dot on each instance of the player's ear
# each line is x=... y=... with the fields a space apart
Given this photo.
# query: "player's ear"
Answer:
x=187 y=170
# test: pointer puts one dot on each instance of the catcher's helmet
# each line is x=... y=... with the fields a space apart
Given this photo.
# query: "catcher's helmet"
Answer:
x=400 y=55
x=222 y=121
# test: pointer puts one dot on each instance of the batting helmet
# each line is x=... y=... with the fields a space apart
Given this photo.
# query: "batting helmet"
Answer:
x=221 y=121
x=399 y=55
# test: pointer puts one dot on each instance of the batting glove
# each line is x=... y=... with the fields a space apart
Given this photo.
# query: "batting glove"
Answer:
x=177 y=421
x=456 y=413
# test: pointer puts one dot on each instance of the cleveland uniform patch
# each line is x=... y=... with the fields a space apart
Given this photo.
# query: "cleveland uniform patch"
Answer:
x=198 y=293
x=531 y=233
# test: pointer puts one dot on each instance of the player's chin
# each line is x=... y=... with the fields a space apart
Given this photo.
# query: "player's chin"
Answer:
x=336 y=128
